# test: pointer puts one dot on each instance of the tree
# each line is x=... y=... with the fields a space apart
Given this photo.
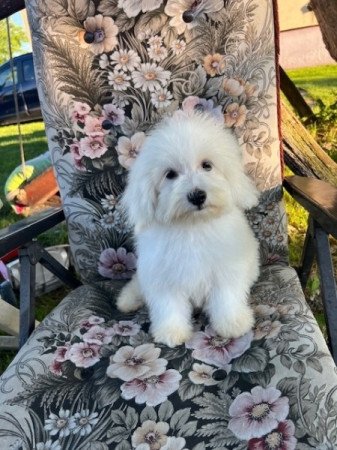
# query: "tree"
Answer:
x=18 y=39
x=326 y=14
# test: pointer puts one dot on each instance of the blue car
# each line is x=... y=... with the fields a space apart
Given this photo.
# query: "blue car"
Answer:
x=28 y=100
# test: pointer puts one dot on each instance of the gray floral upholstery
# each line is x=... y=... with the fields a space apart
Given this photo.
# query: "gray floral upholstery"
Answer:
x=91 y=377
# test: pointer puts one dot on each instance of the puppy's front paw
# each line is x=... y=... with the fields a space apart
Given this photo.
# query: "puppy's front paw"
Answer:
x=127 y=302
x=171 y=335
x=237 y=326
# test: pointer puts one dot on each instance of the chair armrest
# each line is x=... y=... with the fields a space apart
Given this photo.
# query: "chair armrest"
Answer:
x=318 y=198
x=25 y=230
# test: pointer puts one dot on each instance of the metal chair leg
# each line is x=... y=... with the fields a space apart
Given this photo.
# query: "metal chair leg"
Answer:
x=308 y=255
x=27 y=292
x=328 y=284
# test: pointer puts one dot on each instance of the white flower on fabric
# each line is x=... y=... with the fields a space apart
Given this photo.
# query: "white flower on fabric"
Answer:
x=119 y=80
x=105 y=33
x=125 y=60
x=109 y=202
x=178 y=46
x=133 y=7
x=176 y=8
x=103 y=61
x=84 y=422
x=150 y=77
x=129 y=363
x=161 y=98
x=62 y=423
x=155 y=41
x=128 y=149
x=202 y=374
x=157 y=53
x=267 y=328
x=48 y=445
x=150 y=436
x=152 y=389
x=108 y=219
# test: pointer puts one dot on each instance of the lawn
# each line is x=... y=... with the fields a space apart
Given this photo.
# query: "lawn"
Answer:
x=320 y=82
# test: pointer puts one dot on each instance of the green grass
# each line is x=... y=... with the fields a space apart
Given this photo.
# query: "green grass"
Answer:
x=320 y=82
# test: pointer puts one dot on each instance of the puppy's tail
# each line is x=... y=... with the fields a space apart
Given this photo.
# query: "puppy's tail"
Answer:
x=130 y=298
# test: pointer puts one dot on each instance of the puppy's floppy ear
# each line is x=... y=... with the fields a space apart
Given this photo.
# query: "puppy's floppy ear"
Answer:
x=243 y=189
x=139 y=198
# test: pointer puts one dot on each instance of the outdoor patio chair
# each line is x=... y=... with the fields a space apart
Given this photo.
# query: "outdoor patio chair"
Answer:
x=107 y=71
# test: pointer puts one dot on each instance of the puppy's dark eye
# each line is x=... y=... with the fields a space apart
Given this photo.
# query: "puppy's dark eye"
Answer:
x=171 y=174
x=206 y=165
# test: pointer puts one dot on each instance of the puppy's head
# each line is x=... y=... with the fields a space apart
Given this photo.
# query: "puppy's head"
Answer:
x=188 y=170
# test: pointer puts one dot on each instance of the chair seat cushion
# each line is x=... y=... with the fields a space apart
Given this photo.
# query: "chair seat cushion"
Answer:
x=92 y=378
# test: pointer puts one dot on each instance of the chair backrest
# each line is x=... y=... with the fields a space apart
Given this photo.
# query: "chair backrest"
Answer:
x=108 y=70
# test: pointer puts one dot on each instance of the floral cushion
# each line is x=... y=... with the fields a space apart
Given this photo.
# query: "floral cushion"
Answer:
x=91 y=378
x=109 y=70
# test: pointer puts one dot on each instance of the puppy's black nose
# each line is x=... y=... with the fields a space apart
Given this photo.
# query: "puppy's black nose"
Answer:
x=197 y=197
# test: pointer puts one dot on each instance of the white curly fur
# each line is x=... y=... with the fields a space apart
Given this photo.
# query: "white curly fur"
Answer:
x=191 y=256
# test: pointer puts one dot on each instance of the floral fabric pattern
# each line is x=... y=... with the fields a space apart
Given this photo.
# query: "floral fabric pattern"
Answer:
x=117 y=68
x=90 y=377
x=116 y=389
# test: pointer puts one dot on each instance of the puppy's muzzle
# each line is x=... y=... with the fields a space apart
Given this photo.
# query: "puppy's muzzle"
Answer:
x=197 y=197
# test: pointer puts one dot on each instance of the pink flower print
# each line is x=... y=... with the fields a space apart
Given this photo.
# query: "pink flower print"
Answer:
x=192 y=104
x=84 y=354
x=98 y=335
x=80 y=111
x=282 y=438
x=213 y=349
x=126 y=328
x=56 y=367
x=61 y=353
x=257 y=413
x=77 y=157
x=91 y=321
x=129 y=363
x=93 y=146
x=118 y=264
x=128 y=149
x=93 y=125
x=114 y=114
x=152 y=390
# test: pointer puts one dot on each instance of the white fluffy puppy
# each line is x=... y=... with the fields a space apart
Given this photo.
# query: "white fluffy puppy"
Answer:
x=186 y=194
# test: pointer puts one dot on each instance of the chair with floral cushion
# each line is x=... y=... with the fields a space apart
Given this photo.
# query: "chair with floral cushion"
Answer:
x=90 y=377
